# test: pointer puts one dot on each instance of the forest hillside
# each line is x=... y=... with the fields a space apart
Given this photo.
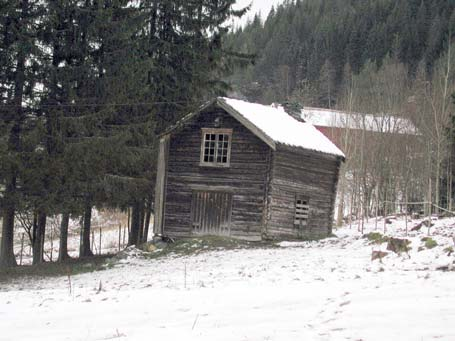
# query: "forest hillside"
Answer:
x=307 y=48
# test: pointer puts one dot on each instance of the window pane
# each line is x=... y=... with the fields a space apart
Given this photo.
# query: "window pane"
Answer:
x=215 y=147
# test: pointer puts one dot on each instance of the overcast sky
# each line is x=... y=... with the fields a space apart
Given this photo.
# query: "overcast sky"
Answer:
x=262 y=6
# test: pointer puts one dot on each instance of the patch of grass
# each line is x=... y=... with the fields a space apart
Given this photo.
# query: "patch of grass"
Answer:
x=448 y=250
x=429 y=242
x=194 y=246
x=310 y=237
x=376 y=238
x=51 y=269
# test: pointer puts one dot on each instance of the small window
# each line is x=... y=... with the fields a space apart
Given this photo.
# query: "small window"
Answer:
x=216 y=147
x=301 y=211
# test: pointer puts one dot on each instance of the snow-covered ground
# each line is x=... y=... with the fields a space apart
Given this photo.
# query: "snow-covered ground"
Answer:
x=326 y=290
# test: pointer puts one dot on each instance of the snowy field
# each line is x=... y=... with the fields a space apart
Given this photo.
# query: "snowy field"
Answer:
x=326 y=290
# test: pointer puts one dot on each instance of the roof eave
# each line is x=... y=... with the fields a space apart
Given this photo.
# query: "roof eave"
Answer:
x=341 y=156
x=186 y=118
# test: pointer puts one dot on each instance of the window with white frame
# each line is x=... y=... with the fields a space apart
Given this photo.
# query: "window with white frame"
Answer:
x=216 y=147
x=301 y=211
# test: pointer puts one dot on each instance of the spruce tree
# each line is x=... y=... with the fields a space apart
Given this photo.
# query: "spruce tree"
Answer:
x=20 y=57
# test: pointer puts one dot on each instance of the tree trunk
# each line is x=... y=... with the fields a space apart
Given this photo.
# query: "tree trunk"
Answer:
x=84 y=250
x=140 y=237
x=148 y=213
x=38 y=243
x=135 y=225
x=7 y=258
x=340 y=208
x=63 y=249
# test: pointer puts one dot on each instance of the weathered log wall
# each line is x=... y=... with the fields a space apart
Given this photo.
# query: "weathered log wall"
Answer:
x=245 y=178
x=309 y=174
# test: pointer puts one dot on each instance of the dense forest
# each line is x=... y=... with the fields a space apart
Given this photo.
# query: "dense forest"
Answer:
x=387 y=58
x=306 y=48
x=85 y=88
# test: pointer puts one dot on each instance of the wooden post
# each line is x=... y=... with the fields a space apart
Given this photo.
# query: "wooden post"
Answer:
x=22 y=248
x=80 y=234
x=119 y=237
x=406 y=221
x=429 y=207
x=100 y=242
x=385 y=217
x=128 y=219
x=350 y=213
x=376 y=209
x=93 y=240
x=129 y=225
x=124 y=236
x=52 y=240
x=364 y=214
x=359 y=216
x=406 y=211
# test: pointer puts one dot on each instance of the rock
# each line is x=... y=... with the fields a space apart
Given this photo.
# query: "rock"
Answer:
x=427 y=223
x=417 y=227
x=398 y=245
x=378 y=255
x=151 y=248
x=448 y=267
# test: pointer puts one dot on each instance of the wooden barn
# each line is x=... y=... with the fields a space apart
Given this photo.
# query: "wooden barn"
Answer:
x=246 y=171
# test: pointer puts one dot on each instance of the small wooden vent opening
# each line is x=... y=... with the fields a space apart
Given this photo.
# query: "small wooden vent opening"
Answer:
x=301 y=211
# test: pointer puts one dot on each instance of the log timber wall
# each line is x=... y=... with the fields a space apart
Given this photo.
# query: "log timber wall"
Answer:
x=309 y=174
x=245 y=178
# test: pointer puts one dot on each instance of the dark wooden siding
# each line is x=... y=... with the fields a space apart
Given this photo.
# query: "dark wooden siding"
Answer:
x=309 y=174
x=245 y=178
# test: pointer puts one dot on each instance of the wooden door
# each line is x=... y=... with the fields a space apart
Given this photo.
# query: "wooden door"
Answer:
x=211 y=213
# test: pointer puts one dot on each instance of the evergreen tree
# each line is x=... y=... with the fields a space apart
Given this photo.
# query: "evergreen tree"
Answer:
x=20 y=56
x=305 y=34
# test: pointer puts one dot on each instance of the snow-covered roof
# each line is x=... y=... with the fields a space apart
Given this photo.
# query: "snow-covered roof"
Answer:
x=274 y=124
x=339 y=119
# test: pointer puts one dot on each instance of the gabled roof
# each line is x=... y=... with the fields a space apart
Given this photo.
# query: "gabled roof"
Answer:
x=272 y=125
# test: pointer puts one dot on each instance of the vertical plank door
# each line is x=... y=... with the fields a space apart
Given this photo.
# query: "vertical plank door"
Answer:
x=211 y=213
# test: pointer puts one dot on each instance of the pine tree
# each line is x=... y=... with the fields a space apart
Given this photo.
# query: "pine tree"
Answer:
x=19 y=58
